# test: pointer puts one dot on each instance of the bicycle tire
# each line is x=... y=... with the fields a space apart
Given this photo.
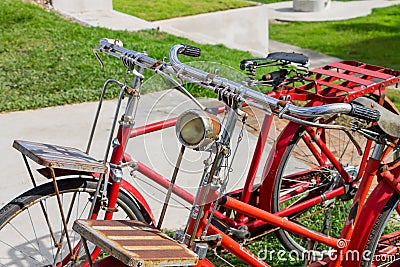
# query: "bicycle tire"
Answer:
x=26 y=243
x=325 y=176
x=386 y=218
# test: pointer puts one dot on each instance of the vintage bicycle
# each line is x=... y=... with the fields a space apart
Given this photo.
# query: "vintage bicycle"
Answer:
x=220 y=227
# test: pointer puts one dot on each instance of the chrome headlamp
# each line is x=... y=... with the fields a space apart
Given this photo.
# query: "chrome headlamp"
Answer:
x=197 y=129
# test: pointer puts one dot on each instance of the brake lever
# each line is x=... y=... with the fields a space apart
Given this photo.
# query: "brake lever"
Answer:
x=98 y=57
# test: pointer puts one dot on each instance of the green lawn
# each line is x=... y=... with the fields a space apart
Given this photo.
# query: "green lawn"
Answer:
x=164 y=9
x=47 y=61
x=374 y=39
x=274 y=1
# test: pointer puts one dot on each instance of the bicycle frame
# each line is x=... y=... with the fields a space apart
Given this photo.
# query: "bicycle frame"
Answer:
x=253 y=205
x=279 y=221
x=124 y=133
x=260 y=211
x=262 y=217
x=249 y=184
x=243 y=208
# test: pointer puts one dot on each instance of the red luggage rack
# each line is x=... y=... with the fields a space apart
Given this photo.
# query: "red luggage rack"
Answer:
x=341 y=82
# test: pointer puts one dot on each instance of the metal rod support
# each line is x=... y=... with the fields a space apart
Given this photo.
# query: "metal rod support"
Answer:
x=46 y=216
x=61 y=211
x=171 y=185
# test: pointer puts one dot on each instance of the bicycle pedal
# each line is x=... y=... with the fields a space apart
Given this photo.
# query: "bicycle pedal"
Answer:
x=135 y=243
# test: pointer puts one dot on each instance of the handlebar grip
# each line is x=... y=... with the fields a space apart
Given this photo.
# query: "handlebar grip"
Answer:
x=246 y=63
x=191 y=51
x=361 y=112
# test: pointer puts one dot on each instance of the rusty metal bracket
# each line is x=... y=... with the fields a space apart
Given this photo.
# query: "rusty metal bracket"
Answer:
x=71 y=251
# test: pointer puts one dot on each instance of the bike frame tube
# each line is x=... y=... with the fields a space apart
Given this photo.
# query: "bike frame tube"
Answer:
x=359 y=199
x=358 y=204
x=307 y=140
x=365 y=156
x=376 y=201
x=116 y=157
x=271 y=167
x=299 y=207
x=149 y=128
x=238 y=250
x=278 y=221
x=321 y=144
x=124 y=133
x=310 y=202
x=262 y=139
x=148 y=172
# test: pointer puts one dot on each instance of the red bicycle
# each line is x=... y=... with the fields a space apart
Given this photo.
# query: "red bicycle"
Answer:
x=227 y=219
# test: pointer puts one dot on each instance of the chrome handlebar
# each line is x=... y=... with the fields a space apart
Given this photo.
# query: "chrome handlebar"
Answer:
x=223 y=86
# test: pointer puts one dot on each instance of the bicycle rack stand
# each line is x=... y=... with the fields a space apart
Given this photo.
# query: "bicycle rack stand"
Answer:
x=342 y=82
x=58 y=158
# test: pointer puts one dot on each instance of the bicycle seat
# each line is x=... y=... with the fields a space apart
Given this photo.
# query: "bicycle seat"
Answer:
x=289 y=57
x=389 y=122
x=283 y=57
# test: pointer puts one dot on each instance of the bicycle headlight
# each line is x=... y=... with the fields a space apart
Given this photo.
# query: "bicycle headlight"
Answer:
x=197 y=129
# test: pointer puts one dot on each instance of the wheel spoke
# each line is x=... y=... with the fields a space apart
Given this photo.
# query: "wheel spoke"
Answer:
x=59 y=248
x=33 y=245
x=22 y=252
x=34 y=231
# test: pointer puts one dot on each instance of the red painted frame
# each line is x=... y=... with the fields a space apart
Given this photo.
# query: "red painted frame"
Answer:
x=325 y=77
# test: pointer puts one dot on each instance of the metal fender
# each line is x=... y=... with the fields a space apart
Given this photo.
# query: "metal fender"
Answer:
x=140 y=200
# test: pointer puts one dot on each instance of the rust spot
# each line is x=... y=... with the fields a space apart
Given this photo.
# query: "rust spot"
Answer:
x=156 y=65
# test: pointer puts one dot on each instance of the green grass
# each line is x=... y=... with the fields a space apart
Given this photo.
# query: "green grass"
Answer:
x=275 y=1
x=47 y=61
x=374 y=39
x=164 y=9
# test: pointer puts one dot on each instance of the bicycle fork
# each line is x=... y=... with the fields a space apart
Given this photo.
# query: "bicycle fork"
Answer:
x=371 y=170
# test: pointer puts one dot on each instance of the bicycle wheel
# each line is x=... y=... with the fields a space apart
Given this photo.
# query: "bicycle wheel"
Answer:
x=302 y=175
x=383 y=245
x=25 y=236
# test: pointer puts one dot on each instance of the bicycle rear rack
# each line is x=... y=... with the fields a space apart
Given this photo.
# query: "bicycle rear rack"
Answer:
x=341 y=82
x=59 y=157
x=135 y=243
